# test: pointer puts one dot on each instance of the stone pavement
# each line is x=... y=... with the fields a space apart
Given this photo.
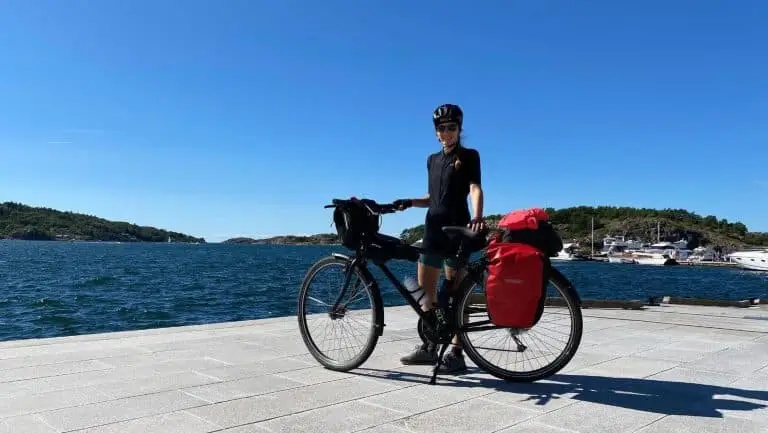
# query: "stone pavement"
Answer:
x=664 y=369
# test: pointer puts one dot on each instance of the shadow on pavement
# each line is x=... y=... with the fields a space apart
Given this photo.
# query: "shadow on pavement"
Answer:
x=649 y=395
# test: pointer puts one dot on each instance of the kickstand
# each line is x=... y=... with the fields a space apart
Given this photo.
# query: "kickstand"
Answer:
x=520 y=346
x=439 y=362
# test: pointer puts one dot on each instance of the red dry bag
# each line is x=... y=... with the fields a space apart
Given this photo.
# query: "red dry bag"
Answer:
x=516 y=284
x=524 y=219
x=531 y=227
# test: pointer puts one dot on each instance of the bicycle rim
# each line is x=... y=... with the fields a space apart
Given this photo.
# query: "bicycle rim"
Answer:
x=344 y=353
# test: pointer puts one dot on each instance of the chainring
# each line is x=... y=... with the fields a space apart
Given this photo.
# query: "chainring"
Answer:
x=429 y=335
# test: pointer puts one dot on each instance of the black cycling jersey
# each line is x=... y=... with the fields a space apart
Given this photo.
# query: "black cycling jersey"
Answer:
x=450 y=175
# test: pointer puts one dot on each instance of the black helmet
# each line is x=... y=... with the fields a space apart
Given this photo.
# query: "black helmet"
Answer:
x=446 y=113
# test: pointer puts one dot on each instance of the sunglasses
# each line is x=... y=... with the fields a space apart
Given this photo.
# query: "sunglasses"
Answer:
x=452 y=127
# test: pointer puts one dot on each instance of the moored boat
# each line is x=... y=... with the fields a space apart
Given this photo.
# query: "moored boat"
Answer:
x=756 y=260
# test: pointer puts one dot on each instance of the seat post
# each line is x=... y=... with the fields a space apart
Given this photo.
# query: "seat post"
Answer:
x=461 y=257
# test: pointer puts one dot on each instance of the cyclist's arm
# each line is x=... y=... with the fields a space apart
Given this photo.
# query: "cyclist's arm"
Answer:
x=424 y=201
x=420 y=202
x=476 y=193
x=475 y=186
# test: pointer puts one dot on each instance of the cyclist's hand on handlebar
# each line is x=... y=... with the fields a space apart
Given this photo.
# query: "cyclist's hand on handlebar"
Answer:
x=476 y=224
x=402 y=204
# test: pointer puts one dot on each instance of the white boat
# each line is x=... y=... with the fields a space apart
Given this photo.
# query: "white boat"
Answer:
x=568 y=253
x=751 y=260
x=676 y=250
x=619 y=244
x=626 y=260
x=620 y=253
x=702 y=254
x=620 y=250
x=653 y=258
x=677 y=245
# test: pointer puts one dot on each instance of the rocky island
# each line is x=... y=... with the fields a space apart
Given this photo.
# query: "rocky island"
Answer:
x=19 y=221
x=318 y=239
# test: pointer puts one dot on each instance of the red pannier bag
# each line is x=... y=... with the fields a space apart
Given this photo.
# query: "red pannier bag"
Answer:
x=519 y=269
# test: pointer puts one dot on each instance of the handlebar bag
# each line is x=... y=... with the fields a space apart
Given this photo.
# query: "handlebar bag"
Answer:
x=354 y=223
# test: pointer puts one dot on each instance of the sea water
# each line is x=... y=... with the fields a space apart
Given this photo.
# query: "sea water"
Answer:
x=52 y=289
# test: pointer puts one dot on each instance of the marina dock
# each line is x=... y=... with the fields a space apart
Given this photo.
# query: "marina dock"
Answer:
x=712 y=264
x=665 y=368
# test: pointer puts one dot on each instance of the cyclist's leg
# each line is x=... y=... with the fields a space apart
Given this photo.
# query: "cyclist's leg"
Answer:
x=453 y=360
x=428 y=274
x=428 y=271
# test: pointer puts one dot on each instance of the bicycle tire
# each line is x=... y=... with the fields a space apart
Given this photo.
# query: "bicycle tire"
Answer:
x=566 y=289
x=376 y=306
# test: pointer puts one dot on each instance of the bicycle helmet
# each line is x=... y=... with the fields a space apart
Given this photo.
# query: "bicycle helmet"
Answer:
x=447 y=113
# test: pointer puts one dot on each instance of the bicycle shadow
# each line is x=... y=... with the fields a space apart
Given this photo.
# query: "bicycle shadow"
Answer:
x=648 y=395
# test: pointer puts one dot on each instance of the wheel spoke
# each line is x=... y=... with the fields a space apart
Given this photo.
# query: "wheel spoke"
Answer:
x=318 y=301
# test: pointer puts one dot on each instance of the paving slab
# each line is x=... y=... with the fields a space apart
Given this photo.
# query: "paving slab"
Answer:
x=664 y=368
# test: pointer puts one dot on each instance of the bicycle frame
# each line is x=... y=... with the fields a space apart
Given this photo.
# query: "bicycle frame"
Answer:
x=379 y=256
x=474 y=270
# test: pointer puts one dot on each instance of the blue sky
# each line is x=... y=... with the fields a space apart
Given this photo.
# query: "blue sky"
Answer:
x=244 y=117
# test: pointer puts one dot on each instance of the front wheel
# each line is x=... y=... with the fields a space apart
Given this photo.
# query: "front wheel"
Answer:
x=521 y=355
x=343 y=319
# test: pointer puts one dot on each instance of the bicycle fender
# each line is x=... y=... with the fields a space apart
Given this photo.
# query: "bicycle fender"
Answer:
x=556 y=274
x=341 y=256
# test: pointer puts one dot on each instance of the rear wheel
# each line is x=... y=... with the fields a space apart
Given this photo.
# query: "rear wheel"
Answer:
x=538 y=352
x=347 y=327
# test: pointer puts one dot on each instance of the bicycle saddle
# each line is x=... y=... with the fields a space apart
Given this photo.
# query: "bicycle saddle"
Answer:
x=465 y=232
x=473 y=241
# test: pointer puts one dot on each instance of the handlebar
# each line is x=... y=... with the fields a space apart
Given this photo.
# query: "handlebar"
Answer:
x=373 y=206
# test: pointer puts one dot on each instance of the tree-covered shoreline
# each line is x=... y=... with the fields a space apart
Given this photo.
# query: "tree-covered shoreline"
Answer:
x=19 y=221
x=574 y=224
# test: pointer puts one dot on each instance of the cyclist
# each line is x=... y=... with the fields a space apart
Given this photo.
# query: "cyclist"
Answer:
x=453 y=173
